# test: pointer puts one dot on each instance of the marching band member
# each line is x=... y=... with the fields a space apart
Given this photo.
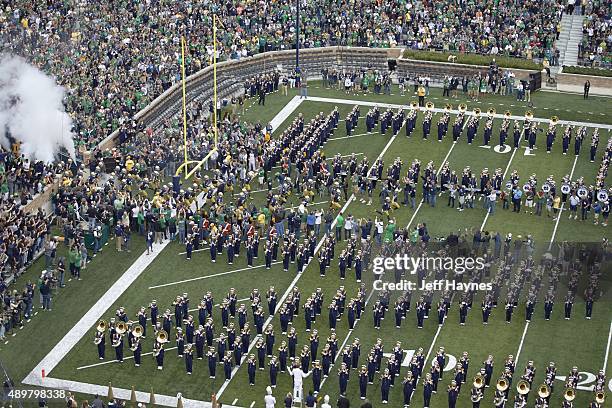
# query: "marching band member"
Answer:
x=136 y=349
x=385 y=386
x=100 y=342
x=488 y=370
x=408 y=389
x=158 y=353
x=363 y=382
x=427 y=390
x=476 y=395
x=453 y=393
x=188 y=354
x=212 y=362
x=117 y=343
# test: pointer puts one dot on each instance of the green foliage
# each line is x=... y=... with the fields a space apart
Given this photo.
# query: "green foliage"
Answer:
x=588 y=71
x=473 y=59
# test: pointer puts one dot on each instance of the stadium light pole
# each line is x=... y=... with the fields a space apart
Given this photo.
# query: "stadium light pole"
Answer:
x=297 y=36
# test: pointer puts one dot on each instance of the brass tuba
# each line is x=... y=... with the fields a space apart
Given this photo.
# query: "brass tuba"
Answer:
x=507 y=114
x=102 y=326
x=600 y=397
x=462 y=107
x=544 y=391
x=554 y=120
x=414 y=105
x=429 y=105
x=491 y=112
x=137 y=331
x=478 y=381
x=121 y=328
x=477 y=112
x=448 y=107
x=529 y=115
x=522 y=387
x=569 y=394
x=502 y=384
x=162 y=337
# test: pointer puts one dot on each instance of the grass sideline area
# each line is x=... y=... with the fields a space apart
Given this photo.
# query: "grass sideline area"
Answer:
x=47 y=328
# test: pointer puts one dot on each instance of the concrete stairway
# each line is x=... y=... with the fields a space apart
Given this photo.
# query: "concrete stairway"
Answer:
x=570 y=37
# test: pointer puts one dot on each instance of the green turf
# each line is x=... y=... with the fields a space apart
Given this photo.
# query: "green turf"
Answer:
x=555 y=340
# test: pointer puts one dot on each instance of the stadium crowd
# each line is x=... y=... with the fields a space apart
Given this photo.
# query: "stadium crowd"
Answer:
x=594 y=49
x=114 y=61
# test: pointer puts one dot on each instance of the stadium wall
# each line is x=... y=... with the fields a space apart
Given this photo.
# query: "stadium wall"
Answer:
x=231 y=74
x=575 y=83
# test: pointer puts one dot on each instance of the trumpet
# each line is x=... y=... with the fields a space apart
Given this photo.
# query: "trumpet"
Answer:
x=429 y=105
x=544 y=391
x=507 y=114
x=478 y=381
x=502 y=384
x=522 y=387
x=102 y=326
x=121 y=328
x=462 y=107
x=569 y=394
x=600 y=397
x=137 y=331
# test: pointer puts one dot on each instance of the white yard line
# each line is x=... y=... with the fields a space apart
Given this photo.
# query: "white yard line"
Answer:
x=281 y=301
x=299 y=275
x=248 y=268
x=351 y=136
x=285 y=113
x=90 y=318
x=348 y=336
x=453 y=111
x=438 y=172
x=309 y=205
x=552 y=239
x=195 y=250
x=518 y=352
x=503 y=178
x=605 y=364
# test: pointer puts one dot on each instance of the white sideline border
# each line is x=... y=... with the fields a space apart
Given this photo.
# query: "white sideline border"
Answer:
x=70 y=339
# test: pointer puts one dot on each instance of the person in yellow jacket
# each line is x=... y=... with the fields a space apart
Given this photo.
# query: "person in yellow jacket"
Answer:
x=421 y=94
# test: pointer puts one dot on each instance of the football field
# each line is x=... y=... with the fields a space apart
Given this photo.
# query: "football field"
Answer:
x=69 y=359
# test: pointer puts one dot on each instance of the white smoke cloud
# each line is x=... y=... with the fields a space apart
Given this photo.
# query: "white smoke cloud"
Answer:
x=31 y=109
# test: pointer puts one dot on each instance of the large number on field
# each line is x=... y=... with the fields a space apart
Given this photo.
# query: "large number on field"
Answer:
x=451 y=361
x=585 y=379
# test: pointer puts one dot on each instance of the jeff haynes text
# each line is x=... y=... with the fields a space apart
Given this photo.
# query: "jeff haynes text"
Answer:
x=438 y=284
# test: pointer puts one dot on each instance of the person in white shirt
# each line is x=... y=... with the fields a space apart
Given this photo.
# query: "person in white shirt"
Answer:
x=298 y=376
x=269 y=398
x=326 y=402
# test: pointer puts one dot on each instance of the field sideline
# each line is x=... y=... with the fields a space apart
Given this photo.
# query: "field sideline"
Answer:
x=167 y=274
